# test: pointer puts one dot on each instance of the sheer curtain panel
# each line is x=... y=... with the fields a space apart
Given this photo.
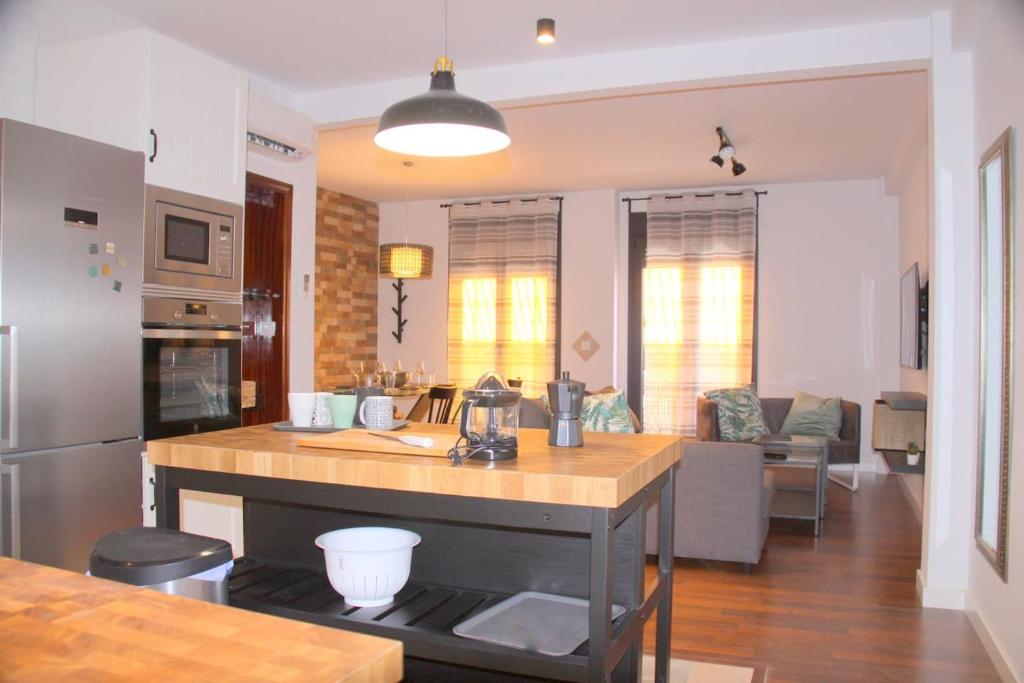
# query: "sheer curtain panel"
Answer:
x=502 y=291
x=698 y=301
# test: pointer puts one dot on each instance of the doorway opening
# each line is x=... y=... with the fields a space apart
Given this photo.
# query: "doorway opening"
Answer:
x=268 y=229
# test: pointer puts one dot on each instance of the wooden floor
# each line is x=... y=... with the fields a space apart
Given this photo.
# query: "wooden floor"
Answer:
x=841 y=607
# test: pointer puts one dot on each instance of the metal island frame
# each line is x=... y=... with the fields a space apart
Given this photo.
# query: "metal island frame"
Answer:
x=550 y=521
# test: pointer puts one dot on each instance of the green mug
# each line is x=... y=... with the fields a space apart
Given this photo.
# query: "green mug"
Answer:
x=343 y=409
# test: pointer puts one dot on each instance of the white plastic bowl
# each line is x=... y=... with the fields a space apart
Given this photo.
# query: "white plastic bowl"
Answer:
x=369 y=564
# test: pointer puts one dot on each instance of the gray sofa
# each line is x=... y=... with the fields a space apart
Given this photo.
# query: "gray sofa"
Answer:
x=723 y=497
x=845 y=450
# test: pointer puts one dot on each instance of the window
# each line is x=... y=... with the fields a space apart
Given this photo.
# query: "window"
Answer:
x=692 y=278
x=503 y=292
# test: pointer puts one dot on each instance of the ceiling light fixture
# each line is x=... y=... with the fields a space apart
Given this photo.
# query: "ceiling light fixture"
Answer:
x=441 y=122
x=726 y=150
x=545 y=31
x=402 y=261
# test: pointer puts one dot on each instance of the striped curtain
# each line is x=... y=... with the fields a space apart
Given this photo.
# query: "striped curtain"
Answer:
x=698 y=300
x=502 y=291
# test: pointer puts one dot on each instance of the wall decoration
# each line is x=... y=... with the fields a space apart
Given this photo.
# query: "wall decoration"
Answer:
x=995 y=385
x=586 y=346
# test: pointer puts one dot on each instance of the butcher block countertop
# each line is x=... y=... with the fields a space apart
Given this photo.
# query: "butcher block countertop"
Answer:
x=605 y=472
x=57 y=625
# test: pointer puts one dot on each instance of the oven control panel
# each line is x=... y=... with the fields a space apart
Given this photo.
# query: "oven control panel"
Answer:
x=157 y=311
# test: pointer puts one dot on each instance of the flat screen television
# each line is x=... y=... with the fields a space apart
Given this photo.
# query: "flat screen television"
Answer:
x=913 y=319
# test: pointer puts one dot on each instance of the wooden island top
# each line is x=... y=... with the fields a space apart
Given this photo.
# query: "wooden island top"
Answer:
x=58 y=625
x=605 y=472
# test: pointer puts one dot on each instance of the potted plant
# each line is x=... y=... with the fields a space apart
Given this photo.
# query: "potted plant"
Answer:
x=913 y=454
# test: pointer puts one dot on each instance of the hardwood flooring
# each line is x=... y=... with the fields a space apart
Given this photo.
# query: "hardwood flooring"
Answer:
x=841 y=607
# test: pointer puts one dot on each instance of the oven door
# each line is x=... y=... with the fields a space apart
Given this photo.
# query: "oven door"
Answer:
x=192 y=381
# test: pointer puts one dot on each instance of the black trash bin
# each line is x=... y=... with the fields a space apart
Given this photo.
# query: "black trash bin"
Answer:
x=169 y=561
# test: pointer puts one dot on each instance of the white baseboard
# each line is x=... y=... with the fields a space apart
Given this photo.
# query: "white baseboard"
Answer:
x=991 y=647
x=940 y=597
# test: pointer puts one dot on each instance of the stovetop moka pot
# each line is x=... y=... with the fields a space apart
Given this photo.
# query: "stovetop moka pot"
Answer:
x=565 y=397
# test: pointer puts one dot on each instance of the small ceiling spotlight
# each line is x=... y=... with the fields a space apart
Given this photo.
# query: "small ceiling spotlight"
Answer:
x=545 y=31
x=726 y=150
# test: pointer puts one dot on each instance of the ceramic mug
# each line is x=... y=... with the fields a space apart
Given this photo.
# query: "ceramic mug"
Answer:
x=322 y=410
x=343 y=409
x=361 y=394
x=377 y=412
x=301 y=405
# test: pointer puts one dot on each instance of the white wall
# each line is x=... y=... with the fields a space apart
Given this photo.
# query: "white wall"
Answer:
x=27 y=24
x=998 y=103
x=828 y=300
x=828 y=292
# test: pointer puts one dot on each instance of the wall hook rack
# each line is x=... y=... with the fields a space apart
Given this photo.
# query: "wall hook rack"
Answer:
x=400 y=322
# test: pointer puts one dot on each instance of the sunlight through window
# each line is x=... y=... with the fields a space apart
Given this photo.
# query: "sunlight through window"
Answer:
x=479 y=306
x=529 y=297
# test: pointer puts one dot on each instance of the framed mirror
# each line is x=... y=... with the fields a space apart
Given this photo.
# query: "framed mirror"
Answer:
x=995 y=387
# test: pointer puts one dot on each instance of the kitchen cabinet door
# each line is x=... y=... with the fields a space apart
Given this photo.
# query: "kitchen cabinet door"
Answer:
x=197 y=112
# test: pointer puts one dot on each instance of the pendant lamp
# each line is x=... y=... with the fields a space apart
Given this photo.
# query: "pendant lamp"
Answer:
x=441 y=122
x=402 y=261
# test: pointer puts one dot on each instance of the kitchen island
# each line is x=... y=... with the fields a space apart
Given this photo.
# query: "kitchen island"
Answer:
x=555 y=520
x=58 y=625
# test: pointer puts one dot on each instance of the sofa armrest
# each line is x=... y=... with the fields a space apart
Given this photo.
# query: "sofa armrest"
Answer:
x=850 y=429
x=707 y=420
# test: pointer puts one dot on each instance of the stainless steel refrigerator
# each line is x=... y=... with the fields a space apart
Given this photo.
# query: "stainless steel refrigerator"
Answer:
x=71 y=224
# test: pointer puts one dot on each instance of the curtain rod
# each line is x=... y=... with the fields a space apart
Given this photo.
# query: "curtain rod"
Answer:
x=499 y=201
x=757 y=193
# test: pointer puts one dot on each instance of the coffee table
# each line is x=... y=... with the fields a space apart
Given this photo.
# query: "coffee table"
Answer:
x=799 y=452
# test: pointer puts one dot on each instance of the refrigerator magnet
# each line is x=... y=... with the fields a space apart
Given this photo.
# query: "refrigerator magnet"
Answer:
x=121 y=262
x=117 y=285
x=106 y=269
x=93 y=271
x=111 y=247
x=94 y=248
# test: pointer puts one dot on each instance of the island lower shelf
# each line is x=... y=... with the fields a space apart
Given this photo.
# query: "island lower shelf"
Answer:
x=422 y=616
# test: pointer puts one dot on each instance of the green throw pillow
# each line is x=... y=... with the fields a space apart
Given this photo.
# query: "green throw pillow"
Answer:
x=814 y=416
x=606 y=413
x=740 y=417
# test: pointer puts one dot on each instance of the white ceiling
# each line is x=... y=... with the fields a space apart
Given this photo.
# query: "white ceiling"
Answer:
x=306 y=45
x=833 y=129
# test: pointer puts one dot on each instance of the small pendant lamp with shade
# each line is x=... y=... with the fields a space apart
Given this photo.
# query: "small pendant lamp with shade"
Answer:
x=402 y=261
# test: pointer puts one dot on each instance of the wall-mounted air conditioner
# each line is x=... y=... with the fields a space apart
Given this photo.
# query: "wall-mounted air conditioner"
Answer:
x=277 y=131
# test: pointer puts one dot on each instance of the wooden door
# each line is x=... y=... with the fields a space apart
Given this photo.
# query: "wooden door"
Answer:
x=268 y=228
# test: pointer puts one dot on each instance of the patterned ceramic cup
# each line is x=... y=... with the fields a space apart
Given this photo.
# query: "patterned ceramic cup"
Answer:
x=376 y=412
x=322 y=410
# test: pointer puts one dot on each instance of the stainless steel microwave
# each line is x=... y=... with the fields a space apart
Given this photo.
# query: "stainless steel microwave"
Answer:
x=192 y=242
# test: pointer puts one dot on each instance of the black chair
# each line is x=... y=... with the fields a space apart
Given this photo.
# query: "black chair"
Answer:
x=435 y=405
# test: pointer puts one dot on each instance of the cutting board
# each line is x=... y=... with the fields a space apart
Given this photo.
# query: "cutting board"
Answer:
x=364 y=440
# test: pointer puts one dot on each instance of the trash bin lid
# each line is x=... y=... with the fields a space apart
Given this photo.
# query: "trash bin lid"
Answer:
x=146 y=556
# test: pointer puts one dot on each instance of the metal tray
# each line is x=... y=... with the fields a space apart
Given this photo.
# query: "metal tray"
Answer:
x=287 y=426
x=540 y=622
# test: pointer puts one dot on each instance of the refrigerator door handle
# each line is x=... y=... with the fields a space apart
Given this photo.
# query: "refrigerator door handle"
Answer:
x=11 y=438
x=12 y=514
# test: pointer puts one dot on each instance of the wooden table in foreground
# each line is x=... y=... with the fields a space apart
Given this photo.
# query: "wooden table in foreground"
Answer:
x=556 y=520
x=57 y=625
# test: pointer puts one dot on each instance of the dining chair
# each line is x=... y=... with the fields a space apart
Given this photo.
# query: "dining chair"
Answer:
x=441 y=399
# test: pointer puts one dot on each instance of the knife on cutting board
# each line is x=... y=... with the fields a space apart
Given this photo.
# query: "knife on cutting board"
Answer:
x=416 y=441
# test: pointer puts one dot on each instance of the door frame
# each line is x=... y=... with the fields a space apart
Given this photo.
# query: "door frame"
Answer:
x=288 y=191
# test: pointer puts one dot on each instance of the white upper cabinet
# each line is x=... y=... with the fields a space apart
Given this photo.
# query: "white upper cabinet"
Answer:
x=140 y=90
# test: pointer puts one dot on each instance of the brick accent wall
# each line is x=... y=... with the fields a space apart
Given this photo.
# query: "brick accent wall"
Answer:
x=345 y=318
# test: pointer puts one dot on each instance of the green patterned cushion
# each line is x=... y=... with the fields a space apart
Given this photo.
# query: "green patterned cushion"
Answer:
x=813 y=416
x=739 y=413
x=606 y=413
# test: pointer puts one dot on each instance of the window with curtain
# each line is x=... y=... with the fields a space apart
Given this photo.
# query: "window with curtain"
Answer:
x=503 y=291
x=698 y=292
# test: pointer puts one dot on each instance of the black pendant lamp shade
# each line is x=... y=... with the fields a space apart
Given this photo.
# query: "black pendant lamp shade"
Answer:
x=441 y=122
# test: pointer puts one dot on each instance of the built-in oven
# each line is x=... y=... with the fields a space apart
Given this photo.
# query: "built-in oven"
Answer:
x=191 y=366
x=192 y=242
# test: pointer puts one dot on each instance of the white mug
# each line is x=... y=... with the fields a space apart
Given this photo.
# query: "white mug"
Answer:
x=322 y=410
x=377 y=412
x=301 y=405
